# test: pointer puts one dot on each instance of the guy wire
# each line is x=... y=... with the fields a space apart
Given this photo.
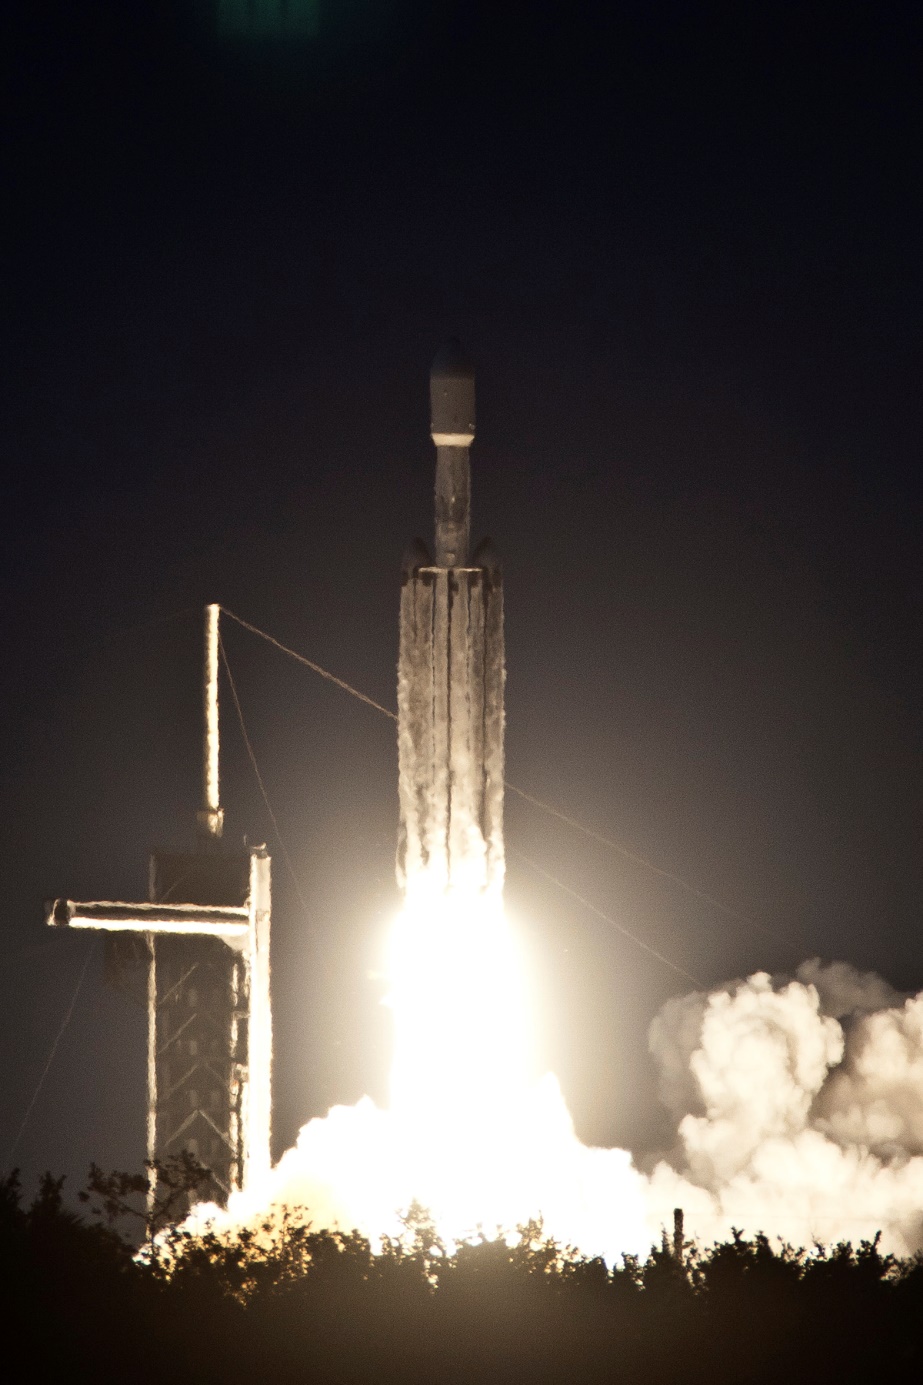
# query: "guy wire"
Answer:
x=578 y=826
x=259 y=779
x=54 y=1048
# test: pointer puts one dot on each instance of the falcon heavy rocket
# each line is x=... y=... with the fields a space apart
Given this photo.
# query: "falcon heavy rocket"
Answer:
x=451 y=672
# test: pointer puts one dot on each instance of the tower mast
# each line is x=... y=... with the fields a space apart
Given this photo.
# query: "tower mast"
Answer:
x=211 y=814
x=204 y=933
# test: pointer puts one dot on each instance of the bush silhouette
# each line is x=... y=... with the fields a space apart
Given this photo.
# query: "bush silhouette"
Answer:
x=285 y=1302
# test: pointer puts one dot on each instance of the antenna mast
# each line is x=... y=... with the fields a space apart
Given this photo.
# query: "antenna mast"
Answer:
x=211 y=814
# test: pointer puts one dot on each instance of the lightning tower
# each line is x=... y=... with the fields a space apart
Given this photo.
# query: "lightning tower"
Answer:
x=203 y=938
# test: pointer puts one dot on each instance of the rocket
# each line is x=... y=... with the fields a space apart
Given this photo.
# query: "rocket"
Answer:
x=451 y=671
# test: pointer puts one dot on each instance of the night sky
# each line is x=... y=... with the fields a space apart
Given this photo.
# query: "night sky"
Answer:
x=682 y=244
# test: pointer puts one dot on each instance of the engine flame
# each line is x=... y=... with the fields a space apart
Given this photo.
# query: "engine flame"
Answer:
x=459 y=1013
x=470 y=1134
x=484 y=1145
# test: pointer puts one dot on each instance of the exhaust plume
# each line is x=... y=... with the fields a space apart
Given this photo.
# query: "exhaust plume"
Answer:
x=791 y=1120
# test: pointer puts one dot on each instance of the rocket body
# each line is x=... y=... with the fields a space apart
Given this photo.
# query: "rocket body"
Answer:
x=451 y=674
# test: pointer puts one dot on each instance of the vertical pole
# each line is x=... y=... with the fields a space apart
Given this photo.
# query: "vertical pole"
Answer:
x=237 y=1096
x=151 y=1071
x=211 y=816
x=677 y=1233
x=257 y=1112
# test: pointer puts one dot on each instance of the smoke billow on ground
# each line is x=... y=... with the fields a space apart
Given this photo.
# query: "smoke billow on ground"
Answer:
x=799 y=1112
x=799 y=1108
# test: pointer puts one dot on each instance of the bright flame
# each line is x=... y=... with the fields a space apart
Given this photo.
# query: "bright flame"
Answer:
x=460 y=1097
x=488 y=1145
x=459 y=1015
x=470 y=1133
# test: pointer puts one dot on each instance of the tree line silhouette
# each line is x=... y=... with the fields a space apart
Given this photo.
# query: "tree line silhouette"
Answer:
x=282 y=1302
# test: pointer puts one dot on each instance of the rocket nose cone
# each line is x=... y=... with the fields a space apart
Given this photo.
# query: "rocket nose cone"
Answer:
x=451 y=362
x=451 y=393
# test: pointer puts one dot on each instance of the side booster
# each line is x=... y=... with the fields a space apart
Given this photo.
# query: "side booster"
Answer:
x=451 y=671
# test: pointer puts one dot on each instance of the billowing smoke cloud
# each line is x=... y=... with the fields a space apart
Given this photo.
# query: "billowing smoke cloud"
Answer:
x=799 y=1107
x=799 y=1112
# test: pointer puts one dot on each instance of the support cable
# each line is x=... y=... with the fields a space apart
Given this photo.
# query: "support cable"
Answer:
x=259 y=779
x=607 y=918
x=612 y=845
x=54 y=1048
x=316 y=668
x=655 y=870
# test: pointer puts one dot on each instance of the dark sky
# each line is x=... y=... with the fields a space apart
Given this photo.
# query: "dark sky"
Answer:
x=682 y=244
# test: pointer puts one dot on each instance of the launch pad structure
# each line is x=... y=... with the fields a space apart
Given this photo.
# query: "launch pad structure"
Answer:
x=203 y=935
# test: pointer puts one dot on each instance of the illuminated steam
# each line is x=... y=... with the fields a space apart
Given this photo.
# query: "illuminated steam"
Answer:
x=792 y=1120
x=796 y=1107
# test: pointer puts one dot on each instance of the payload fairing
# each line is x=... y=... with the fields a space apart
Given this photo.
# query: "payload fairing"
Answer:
x=451 y=672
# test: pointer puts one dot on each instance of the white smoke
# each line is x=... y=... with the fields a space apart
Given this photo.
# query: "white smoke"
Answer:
x=799 y=1113
x=799 y=1107
x=845 y=991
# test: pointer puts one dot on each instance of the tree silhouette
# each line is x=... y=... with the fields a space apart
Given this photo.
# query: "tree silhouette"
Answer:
x=281 y=1300
x=156 y=1199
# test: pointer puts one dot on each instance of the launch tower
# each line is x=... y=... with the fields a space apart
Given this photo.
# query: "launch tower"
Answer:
x=203 y=936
